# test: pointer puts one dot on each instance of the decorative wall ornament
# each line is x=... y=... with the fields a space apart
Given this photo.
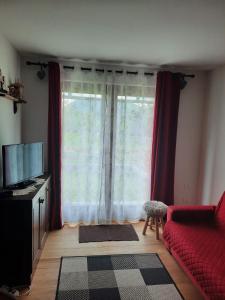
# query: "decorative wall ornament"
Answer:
x=16 y=90
x=2 y=83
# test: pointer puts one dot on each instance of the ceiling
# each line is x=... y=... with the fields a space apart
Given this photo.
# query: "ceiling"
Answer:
x=187 y=33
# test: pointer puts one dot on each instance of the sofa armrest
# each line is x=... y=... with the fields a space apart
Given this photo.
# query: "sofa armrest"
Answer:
x=190 y=213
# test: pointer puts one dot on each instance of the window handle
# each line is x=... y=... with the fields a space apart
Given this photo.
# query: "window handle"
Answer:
x=41 y=200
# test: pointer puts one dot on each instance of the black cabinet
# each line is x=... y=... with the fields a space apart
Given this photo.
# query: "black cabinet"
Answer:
x=23 y=231
x=43 y=208
x=35 y=233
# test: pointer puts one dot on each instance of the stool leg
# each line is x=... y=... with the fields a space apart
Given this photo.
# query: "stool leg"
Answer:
x=157 y=227
x=151 y=222
x=162 y=222
x=146 y=225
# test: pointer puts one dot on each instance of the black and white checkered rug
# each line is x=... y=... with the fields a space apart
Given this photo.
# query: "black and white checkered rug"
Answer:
x=109 y=277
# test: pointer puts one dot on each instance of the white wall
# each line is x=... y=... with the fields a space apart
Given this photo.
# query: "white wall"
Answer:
x=10 y=123
x=189 y=139
x=35 y=112
x=212 y=176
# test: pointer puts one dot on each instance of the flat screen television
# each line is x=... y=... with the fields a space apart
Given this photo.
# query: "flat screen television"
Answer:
x=21 y=164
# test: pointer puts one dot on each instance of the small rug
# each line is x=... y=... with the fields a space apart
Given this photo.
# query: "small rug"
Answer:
x=101 y=233
x=112 y=277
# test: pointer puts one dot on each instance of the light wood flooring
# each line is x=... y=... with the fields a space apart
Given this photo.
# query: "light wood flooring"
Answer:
x=65 y=243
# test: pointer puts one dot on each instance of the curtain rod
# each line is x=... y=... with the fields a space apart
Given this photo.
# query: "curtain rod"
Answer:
x=45 y=65
x=189 y=75
x=29 y=63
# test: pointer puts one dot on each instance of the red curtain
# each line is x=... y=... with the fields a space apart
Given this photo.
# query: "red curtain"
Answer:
x=164 y=137
x=54 y=144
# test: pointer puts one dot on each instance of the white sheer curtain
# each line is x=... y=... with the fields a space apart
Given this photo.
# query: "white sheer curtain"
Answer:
x=107 y=127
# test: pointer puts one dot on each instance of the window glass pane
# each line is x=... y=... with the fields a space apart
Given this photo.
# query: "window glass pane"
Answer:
x=82 y=146
x=132 y=147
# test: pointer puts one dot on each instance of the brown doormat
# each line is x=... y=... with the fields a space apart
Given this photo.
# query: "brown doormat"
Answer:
x=101 y=233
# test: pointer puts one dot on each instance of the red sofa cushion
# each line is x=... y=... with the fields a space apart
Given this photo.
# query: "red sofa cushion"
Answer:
x=190 y=213
x=201 y=249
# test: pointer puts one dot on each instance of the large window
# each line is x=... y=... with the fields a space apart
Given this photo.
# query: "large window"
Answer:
x=107 y=132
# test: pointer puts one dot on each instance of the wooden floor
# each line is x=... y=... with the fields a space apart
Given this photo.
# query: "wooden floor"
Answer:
x=65 y=243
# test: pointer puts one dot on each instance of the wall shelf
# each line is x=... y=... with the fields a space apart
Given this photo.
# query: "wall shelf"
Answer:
x=15 y=100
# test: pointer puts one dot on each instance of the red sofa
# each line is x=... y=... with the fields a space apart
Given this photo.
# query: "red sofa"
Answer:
x=195 y=236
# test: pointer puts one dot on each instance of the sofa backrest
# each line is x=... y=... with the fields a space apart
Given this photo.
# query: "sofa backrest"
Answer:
x=220 y=212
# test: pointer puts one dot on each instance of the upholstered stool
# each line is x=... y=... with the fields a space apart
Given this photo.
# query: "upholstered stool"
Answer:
x=155 y=211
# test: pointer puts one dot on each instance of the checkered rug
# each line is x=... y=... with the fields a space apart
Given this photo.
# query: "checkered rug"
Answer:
x=126 y=277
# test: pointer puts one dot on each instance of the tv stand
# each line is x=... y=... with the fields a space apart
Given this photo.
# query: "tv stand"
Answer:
x=23 y=231
x=22 y=185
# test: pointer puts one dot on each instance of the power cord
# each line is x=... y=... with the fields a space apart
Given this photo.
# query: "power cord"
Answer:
x=24 y=291
x=17 y=291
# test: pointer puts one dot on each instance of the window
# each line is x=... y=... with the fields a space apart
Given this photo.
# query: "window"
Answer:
x=107 y=140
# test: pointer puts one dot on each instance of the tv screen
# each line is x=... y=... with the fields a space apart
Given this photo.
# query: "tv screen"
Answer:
x=21 y=163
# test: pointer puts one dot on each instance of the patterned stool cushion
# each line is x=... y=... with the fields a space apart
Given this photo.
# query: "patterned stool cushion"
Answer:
x=155 y=208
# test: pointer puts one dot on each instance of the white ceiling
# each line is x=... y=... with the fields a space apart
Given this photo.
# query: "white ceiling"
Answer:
x=188 y=33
